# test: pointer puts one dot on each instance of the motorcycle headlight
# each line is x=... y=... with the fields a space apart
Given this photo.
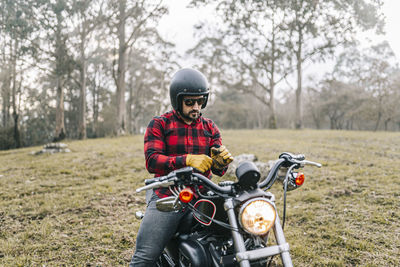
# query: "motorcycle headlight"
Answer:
x=257 y=216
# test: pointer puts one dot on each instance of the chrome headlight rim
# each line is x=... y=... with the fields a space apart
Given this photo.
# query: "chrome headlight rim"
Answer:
x=246 y=204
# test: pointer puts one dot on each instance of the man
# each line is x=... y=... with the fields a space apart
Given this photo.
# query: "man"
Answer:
x=178 y=138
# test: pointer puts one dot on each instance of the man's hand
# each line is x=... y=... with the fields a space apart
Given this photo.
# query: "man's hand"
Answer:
x=200 y=162
x=220 y=157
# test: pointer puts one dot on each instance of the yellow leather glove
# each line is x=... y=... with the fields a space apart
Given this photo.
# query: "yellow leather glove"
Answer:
x=221 y=157
x=200 y=162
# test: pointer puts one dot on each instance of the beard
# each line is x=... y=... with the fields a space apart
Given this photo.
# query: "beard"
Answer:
x=192 y=115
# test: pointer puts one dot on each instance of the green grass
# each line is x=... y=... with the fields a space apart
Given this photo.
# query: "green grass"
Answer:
x=78 y=208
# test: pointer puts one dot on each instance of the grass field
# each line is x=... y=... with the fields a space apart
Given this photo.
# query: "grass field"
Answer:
x=77 y=209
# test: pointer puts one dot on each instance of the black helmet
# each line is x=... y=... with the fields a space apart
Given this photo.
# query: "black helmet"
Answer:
x=187 y=82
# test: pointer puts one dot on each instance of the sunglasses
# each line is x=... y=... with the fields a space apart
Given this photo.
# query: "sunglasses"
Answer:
x=190 y=101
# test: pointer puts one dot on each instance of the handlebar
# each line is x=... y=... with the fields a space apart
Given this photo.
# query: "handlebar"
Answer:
x=269 y=181
x=152 y=180
x=187 y=175
x=155 y=180
x=212 y=185
x=183 y=174
x=165 y=183
x=289 y=156
x=286 y=159
x=316 y=164
x=299 y=159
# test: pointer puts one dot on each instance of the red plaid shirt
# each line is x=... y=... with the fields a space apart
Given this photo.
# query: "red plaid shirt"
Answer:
x=168 y=139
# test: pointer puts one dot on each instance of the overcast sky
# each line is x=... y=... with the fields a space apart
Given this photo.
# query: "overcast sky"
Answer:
x=391 y=10
x=178 y=25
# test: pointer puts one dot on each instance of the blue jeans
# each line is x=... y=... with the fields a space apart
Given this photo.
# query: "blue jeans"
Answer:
x=156 y=229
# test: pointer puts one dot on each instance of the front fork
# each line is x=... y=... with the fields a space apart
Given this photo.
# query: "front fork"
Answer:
x=237 y=237
x=242 y=255
x=281 y=241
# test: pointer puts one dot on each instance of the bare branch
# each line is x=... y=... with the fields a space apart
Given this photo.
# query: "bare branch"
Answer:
x=139 y=25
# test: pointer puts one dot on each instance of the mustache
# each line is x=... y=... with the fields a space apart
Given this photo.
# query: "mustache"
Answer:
x=193 y=111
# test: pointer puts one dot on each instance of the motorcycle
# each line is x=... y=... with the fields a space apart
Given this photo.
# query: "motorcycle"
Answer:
x=229 y=223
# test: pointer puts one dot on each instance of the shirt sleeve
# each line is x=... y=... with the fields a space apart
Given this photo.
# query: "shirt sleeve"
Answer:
x=216 y=141
x=155 y=151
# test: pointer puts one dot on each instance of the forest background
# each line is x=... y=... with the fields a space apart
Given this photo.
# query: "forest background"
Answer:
x=86 y=69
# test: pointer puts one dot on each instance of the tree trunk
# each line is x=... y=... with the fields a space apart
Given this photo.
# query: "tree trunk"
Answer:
x=95 y=104
x=96 y=112
x=5 y=93
x=121 y=112
x=333 y=123
x=136 y=125
x=272 y=117
x=6 y=100
x=387 y=123
x=137 y=110
x=17 y=135
x=299 y=110
x=95 y=107
x=316 y=120
x=17 y=138
x=60 y=126
x=129 y=123
x=82 y=100
x=379 y=113
x=378 y=121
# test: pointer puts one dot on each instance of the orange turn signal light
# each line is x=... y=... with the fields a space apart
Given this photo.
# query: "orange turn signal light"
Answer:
x=300 y=179
x=186 y=195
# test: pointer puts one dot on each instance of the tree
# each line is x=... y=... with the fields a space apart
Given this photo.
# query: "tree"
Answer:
x=150 y=67
x=374 y=70
x=99 y=81
x=316 y=28
x=251 y=43
x=18 y=28
x=88 y=15
x=129 y=22
x=393 y=108
x=339 y=102
x=233 y=110
x=53 y=19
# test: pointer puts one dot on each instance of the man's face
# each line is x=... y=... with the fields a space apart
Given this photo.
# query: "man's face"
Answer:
x=191 y=107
